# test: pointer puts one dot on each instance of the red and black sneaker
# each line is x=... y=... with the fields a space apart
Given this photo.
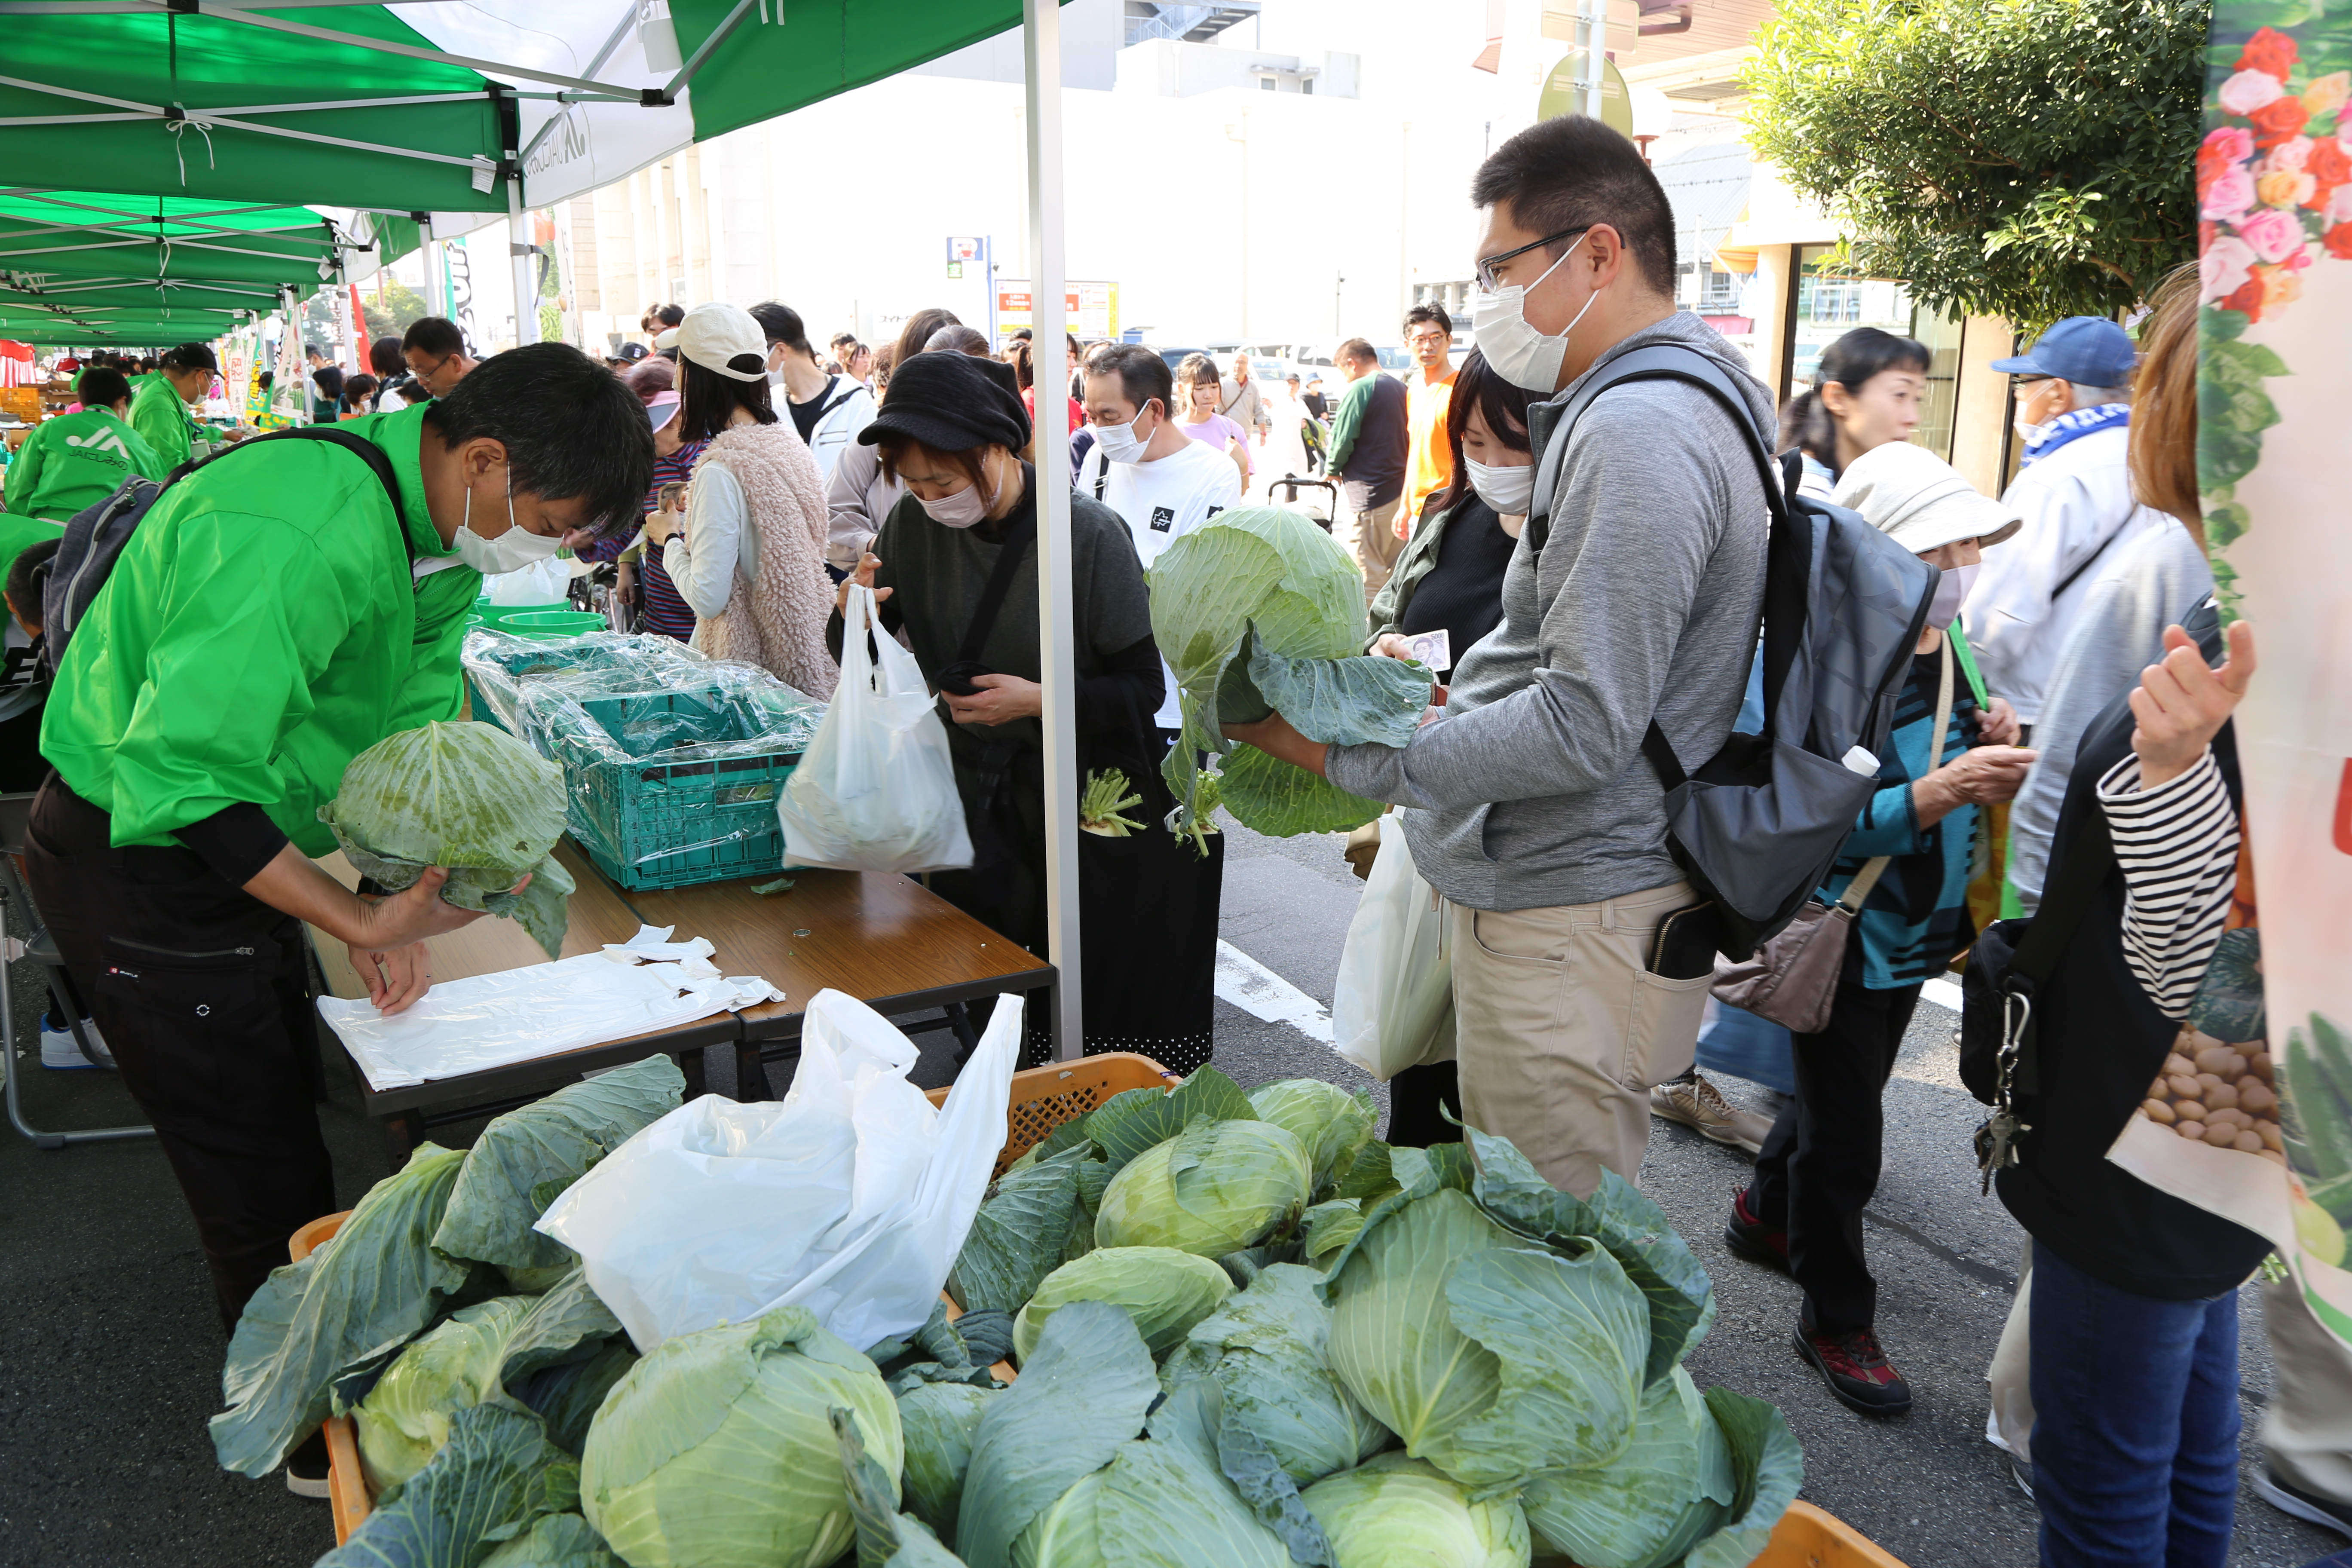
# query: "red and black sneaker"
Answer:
x=1857 y=1370
x=1746 y=1238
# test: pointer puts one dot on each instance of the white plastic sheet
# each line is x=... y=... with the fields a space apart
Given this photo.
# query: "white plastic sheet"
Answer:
x=1393 y=1006
x=541 y=582
x=521 y=1014
x=876 y=790
x=851 y=1196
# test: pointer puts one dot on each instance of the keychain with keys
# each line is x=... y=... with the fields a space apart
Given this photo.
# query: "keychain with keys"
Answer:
x=1997 y=1144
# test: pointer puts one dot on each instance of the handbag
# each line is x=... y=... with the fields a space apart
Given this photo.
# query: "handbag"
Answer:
x=1393 y=1006
x=1793 y=979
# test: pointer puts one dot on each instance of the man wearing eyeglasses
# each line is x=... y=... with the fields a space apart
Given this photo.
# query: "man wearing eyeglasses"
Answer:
x=2072 y=394
x=1633 y=593
x=436 y=351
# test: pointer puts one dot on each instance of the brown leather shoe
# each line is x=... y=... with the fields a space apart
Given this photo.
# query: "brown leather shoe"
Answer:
x=1697 y=1104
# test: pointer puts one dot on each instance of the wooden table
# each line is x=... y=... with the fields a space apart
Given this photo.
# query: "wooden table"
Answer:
x=598 y=915
x=886 y=940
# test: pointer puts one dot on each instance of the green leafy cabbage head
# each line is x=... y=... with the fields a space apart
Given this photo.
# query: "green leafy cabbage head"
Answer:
x=1329 y=1123
x=1215 y=1188
x=940 y=1420
x=404 y=1419
x=1165 y=1291
x=717 y=1451
x=1394 y=1509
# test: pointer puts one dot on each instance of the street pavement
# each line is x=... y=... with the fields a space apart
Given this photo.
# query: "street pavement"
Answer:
x=110 y=1353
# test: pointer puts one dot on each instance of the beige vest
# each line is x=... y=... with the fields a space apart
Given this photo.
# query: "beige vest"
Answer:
x=778 y=622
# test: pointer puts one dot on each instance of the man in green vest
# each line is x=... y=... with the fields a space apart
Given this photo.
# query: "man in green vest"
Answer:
x=159 y=408
x=76 y=460
x=270 y=620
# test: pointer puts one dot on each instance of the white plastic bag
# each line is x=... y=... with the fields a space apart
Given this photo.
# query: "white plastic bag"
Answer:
x=1394 y=1006
x=876 y=790
x=541 y=582
x=851 y=1196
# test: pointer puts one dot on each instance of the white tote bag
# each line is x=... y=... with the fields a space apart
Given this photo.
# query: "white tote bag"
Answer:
x=1394 y=1006
x=876 y=790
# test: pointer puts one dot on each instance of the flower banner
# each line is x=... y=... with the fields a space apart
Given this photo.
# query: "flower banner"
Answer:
x=2272 y=1032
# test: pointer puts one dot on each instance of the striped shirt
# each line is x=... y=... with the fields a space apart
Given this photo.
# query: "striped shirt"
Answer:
x=2178 y=847
x=665 y=611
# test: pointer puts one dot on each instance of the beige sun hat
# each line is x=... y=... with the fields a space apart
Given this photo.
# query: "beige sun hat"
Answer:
x=1919 y=500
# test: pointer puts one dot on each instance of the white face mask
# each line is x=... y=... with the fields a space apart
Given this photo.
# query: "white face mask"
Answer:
x=964 y=508
x=510 y=552
x=1520 y=355
x=1951 y=593
x=1120 y=443
x=1508 y=491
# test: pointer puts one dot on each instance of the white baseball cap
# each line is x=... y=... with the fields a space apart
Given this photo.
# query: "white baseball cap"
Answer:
x=1919 y=500
x=715 y=333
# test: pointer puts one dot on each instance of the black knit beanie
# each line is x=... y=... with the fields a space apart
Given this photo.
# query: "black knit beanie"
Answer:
x=951 y=403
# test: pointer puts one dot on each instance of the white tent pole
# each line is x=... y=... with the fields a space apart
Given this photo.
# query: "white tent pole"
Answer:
x=434 y=305
x=1056 y=634
x=526 y=278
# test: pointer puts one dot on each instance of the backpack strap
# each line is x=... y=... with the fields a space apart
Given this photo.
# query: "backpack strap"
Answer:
x=358 y=447
x=826 y=403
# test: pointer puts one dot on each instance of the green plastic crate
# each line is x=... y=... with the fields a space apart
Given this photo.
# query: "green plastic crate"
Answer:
x=649 y=824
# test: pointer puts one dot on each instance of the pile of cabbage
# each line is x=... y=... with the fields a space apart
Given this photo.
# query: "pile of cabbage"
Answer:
x=1248 y=1334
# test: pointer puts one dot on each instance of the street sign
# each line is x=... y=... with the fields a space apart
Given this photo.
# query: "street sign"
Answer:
x=962 y=249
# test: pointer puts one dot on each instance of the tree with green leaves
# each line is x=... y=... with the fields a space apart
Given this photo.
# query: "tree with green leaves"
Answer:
x=2029 y=159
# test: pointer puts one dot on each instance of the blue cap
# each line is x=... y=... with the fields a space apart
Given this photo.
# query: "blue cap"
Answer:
x=2089 y=351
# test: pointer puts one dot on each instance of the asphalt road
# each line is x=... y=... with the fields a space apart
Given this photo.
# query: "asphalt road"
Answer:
x=110 y=1353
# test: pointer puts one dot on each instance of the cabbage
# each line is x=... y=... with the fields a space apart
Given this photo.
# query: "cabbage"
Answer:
x=554 y=1540
x=469 y=797
x=404 y=1419
x=1164 y=1291
x=1395 y=1510
x=1490 y=1357
x=938 y=1420
x=1260 y=609
x=1213 y=1188
x=497 y=1477
x=1266 y=1350
x=1670 y=1486
x=1329 y=1123
x=1019 y=1234
x=716 y=1451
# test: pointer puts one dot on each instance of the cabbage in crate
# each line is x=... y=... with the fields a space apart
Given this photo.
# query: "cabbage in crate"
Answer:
x=1259 y=610
x=467 y=796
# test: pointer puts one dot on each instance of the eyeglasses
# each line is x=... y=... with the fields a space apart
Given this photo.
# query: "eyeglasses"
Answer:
x=1486 y=265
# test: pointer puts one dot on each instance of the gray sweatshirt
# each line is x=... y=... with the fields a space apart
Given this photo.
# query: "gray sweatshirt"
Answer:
x=2154 y=580
x=1532 y=793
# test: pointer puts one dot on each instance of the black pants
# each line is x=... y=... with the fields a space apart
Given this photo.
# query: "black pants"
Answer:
x=203 y=993
x=1414 y=1097
x=1821 y=1164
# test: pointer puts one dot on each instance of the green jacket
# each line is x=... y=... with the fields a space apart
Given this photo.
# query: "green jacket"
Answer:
x=158 y=413
x=78 y=461
x=1413 y=562
x=18 y=534
x=1347 y=419
x=260 y=630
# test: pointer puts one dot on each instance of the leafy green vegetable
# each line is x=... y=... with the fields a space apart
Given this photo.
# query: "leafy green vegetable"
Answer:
x=1270 y=1492
x=1214 y=1188
x=1082 y=1395
x=1164 y=1291
x=1329 y=1226
x=469 y=797
x=718 y=1448
x=1768 y=1467
x=357 y=1299
x=940 y=1420
x=554 y=1540
x=404 y=1419
x=1107 y=793
x=886 y=1538
x=1267 y=1350
x=1671 y=1484
x=1259 y=600
x=497 y=1471
x=567 y=1323
x=1018 y=1236
x=568 y=1396
x=1329 y=1123
x=551 y=1141
x=1396 y=1510
x=1127 y=1123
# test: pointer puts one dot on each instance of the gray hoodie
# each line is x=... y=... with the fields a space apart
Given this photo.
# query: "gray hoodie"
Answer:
x=1532 y=793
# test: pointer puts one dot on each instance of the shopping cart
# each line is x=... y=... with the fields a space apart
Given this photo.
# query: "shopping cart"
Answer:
x=1317 y=508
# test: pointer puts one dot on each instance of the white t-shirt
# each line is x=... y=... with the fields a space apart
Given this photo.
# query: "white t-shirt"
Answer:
x=1162 y=501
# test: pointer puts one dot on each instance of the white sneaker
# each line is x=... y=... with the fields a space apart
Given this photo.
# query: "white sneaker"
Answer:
x=59 y=1052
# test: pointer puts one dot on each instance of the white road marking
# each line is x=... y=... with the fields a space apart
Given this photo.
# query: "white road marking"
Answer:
x=1942 y=993
x=1261 y=993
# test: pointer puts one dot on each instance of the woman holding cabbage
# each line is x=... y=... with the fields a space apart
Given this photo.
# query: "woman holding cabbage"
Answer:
x=280 y=611
x=952 y=432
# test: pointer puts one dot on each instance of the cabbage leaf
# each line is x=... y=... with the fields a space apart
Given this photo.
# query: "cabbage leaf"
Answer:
x=1267 y=1350
x=940 y=1420
x=1395 y=1509
x=1214 y=1188
x=503 y=1188
x=1164 y=1291
x=496 y=1474
x=886 y=1538
x=1332 y=1124
x=1019 y=1234
x=1768 y=1467
x=554 y=1540
x=404 y=1419
x=356 y=1300
x=1671 y=1484
x=1135 y=1119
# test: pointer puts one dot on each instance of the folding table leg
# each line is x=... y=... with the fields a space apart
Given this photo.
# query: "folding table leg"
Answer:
x=402 y=1131
x=689 y=1062
x=967 y=1038
x=751 y=1072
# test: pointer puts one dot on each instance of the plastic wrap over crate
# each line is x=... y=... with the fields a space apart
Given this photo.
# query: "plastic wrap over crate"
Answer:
x=672 y=762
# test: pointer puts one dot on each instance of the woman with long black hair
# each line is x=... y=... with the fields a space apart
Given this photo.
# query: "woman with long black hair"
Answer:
x=1865 y=393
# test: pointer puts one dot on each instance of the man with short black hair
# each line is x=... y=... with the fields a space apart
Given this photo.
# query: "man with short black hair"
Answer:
x=435 y=349
x=1633 y=596
x=1429 y=335
x=1369 y=442
x=828 y=410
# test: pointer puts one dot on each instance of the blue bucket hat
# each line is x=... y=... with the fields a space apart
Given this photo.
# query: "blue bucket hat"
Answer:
x=2089 y=351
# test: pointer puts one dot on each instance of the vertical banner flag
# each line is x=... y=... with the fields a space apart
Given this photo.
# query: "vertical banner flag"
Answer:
x=2269 y=1041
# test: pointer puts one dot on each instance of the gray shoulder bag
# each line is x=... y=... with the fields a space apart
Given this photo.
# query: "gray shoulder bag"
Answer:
x=1793 y=979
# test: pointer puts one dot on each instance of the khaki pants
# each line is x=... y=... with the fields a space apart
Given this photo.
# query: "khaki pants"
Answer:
x=1560 y=1029
x=1370 y=538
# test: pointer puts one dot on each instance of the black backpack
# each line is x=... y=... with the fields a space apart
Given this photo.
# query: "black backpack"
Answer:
x=94 y=540
x=1757 y=826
